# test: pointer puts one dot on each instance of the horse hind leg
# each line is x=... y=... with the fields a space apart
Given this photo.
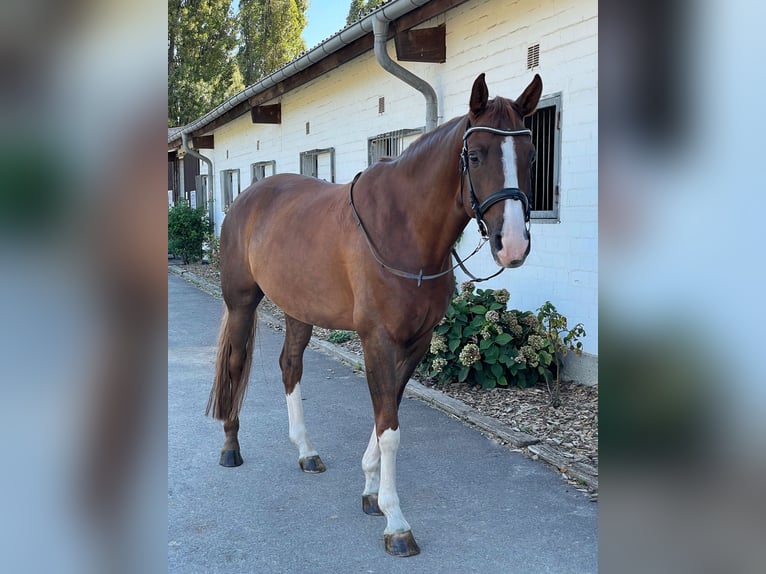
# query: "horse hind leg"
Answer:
x=297 y=336
x=235 y=354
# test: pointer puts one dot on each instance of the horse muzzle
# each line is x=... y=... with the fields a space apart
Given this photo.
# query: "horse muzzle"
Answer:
x=512 y=242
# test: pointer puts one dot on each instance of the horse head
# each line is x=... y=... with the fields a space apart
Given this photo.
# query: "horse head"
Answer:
x=497 y=158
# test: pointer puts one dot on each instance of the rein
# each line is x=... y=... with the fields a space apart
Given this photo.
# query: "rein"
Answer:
x=406 y=274
x=478 y=210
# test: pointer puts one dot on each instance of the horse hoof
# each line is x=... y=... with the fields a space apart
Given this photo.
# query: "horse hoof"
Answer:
x=401 y=544
x=312 y=464
x=230 y=458
x=370 y=505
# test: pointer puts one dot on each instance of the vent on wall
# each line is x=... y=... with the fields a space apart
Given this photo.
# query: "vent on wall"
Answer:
x=533 y=56
x=381 y=105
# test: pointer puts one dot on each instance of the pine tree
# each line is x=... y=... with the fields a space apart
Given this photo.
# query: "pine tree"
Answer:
x=269 y=35
x=202 y=69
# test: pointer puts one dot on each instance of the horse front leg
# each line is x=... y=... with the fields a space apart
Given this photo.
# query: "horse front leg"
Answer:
x=388 y=367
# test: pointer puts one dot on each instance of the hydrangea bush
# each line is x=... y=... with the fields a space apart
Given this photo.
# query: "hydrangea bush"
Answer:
x=481 y=342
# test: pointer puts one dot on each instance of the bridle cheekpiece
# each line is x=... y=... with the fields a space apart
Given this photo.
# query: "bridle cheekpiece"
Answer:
x=506 y=193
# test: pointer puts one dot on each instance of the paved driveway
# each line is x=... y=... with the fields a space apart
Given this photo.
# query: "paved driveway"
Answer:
x=474 y=506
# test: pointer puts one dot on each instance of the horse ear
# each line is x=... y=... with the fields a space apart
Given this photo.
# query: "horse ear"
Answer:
x=479 y=95
x=527 y=101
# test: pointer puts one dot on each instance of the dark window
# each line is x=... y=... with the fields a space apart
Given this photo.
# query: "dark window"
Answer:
x=319 y=163
x=390 y=144
x=261 y=170
x=546 y=130
x=229 y=187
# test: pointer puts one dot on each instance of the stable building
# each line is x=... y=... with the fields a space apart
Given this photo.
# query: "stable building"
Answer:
x=344 y=104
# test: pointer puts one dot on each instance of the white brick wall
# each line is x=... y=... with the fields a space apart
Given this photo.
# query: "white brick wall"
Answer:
x=488 y=36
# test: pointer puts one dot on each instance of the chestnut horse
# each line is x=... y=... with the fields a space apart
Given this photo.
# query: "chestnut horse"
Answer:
x=373 y=257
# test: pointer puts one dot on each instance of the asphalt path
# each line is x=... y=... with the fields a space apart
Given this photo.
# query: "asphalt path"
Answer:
x=474 y=505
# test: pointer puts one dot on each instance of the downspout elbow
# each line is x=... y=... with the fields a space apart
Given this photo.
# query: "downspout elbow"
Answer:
x=380 y=30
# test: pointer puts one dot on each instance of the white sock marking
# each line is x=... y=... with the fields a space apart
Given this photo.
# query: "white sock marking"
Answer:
x=388 y=499
x=371 y=465
x=298 y=433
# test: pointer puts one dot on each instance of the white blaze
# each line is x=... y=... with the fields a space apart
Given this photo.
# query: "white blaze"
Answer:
x=514 y=233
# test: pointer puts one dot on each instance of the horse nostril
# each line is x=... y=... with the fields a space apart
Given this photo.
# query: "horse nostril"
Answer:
x=497 y=241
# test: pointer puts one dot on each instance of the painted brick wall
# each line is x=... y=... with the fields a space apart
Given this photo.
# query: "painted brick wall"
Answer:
x=488 y=36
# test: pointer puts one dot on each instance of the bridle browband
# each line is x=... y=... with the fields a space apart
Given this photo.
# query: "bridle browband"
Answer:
x=478 y=209
x=506 y=193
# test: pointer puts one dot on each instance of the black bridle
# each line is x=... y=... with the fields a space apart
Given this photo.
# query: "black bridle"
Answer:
x=478 y=210
x=506 y=193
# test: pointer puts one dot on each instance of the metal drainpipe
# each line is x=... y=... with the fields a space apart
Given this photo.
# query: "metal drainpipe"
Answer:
x=210 y=179
x=380 y=29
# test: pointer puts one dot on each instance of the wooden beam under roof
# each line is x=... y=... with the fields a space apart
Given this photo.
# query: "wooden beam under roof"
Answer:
x=266 y=114
x=422 y=45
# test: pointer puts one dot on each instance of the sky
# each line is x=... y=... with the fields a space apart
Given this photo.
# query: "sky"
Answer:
x=325 y=18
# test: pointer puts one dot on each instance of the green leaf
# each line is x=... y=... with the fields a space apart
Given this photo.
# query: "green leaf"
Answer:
x=463 y=374
x=503 y=339
x=502 y=381
x=453 y=344
x=442 y=329
x=479 y=310
x=485 y=344
x=497 y=370
x=491 y=355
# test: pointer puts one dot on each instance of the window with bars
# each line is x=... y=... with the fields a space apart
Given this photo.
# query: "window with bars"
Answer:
x=229 y=186
x=390 y=144
x=319 y=163
x=261 y=170
x=545 y=124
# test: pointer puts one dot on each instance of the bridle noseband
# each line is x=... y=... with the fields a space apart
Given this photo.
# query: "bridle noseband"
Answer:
x=506 y=193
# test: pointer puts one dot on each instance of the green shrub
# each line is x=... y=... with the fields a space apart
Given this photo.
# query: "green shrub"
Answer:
x=339 y=336
x=213 y=248
x=480 y=342
x=187 y=228
x=554 y=324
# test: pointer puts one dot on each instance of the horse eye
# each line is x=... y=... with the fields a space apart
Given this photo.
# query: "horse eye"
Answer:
x=473 y=157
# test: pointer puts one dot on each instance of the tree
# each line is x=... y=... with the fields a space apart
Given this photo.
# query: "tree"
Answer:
x=269 y=35
x=359 y=8
x=202 y=68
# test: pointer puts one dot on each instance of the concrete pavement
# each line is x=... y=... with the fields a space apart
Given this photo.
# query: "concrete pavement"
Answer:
x=474 y=506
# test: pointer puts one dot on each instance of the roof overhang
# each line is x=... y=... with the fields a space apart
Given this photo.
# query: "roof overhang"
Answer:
x=344 y=46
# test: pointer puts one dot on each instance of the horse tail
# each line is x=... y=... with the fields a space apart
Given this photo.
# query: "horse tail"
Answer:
x=228 y=392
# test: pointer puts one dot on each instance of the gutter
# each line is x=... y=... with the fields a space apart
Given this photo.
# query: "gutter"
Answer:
x=211 y=179
x=389 y=11
x=380 y=26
